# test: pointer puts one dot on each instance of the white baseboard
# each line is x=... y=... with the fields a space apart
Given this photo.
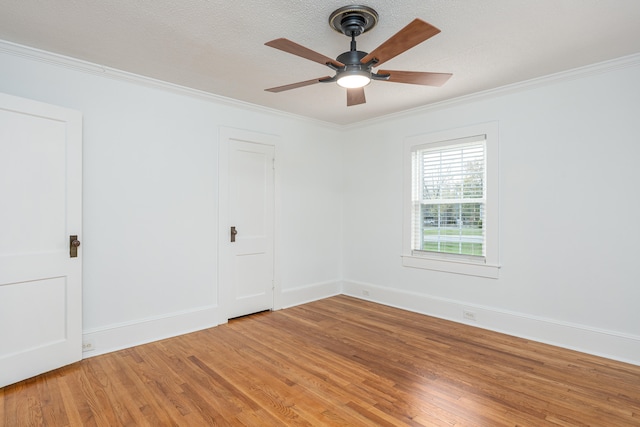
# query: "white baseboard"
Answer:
x=121 y=336
x=307 y=293
x=599 y=342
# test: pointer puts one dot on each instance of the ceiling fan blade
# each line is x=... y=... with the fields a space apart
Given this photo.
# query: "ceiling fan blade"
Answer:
x=306 y=53
x=411 y=35
x=355 y=96
x=417 y=77
x=296 y=85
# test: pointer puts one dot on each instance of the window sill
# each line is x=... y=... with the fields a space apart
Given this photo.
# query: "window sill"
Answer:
x=452 y=266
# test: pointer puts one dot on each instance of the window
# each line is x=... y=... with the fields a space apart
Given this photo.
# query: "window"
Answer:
x=451 y=207
x=448 y=197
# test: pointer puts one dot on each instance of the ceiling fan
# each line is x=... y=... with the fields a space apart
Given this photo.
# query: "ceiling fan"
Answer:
x=354 y=69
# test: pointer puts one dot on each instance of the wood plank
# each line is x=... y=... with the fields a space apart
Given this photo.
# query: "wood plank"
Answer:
x=335 y=362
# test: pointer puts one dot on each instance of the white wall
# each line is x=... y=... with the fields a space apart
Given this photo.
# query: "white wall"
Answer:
x=150 y=198
x=569 y=150
x=569 y=229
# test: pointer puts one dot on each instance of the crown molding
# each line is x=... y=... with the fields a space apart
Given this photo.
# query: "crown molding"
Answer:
x=97 y=69
x=563 y=76
x=79 y=65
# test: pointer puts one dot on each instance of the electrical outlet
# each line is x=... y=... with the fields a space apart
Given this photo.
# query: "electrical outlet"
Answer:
x=469 y=315
x=365 y=293
x=88 y=345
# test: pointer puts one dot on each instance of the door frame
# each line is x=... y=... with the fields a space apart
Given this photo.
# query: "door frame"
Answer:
x=225 y=136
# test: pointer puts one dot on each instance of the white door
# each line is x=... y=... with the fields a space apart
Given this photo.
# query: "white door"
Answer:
x=40 y=208
x=249 y=234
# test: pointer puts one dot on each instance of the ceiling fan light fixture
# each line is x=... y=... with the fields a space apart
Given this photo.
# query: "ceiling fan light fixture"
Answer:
x=352 y=79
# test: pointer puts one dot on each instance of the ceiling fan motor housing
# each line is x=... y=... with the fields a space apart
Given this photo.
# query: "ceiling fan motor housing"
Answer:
x=352 y=57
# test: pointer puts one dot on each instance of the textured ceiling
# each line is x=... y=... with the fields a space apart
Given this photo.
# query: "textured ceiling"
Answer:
x=217 y=46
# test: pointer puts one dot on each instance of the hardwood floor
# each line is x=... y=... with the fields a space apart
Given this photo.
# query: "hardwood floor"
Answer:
x=336 y=362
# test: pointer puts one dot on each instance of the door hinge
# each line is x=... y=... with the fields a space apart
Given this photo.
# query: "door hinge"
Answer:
x=273 y=163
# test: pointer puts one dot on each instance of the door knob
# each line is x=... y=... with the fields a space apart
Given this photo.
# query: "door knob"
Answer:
x=73 y=246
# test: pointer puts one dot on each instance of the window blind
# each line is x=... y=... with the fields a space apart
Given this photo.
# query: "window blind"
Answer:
x=448 y=197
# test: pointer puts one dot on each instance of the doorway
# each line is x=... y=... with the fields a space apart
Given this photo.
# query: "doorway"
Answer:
x=247 y=221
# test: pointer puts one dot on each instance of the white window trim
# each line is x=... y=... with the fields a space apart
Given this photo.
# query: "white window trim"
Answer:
x=489 y=266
